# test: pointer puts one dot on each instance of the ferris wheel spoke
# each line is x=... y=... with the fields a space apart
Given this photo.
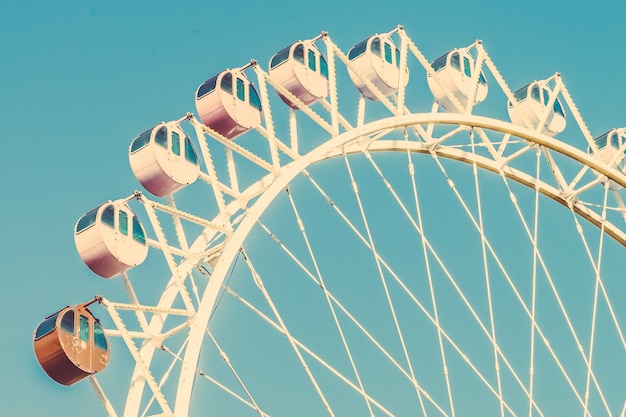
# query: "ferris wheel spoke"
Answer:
x=390 y=303
x=259 y=283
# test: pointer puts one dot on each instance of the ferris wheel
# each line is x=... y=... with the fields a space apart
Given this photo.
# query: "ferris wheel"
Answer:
x=380 y=235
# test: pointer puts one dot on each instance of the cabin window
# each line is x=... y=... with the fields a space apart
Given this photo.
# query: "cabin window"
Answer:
x=123 y=222
x=614 y=140
x=546 y=96
x=388 y=55
x=280 y=57
x=227 y=83
x=455 y=61
x=466 y=66
x=481 y=78
x=161 y=137
x=375 y=46
x=175 y=143
x=190 y=153
x=46 y=326
x=84 y=329
x=557 y=108
x=439 y=63
x=535 y=93
x=108 y=216
x=67 y=322
x=601 y=141
x=254 y=98
x=241 y=90
x=358 y=50
x=298 y=53
x=521 y=94
x=99 y=339
x=138 y=234
x=141 y=141
x=312 y=63
x=397 y=58
x=323 y=67
x=87 y=220
x=207 y=87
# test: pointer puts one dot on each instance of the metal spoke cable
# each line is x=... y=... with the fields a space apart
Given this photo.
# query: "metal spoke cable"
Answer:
x=320 y=279
x=380 y=271
x=533 y=297
x=487 y=276
x=308 y=351
x=259 y=283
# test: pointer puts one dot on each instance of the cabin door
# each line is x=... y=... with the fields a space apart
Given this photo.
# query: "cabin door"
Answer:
x=83 y=343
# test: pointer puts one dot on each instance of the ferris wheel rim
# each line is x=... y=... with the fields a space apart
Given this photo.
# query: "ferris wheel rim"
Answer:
x=333 y=148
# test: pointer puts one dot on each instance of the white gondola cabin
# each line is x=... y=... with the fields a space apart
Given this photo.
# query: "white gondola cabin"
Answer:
x=70 y=345
x=377 y=59
x=610 y=150
x=110 y=239
x=456 y=76
x=532 y=104
x=302 y=70
x=163 y=159
x=229 y=104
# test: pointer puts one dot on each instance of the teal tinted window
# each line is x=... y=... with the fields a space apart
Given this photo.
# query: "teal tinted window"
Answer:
x=481 y=78
x=207 y=87
x=46 y=326
x=108 y=216
x=280 y=57
x=138 y=234
x=397 y=58
x=123 y=223
x=535 y=94
x=388 y=55
x=614 y=140
x=84 y=329
x=98 y=337
x=140 y=141
x=190 y=153
x=521 y=94
x=375 y=46
x=439 y=63
x=227 y=82
x=67 y=322
x=455 y=61
x=160 y=137
x=254 y=98
x=467 y=67
x=601 y=141
x=311 y=58
x=87 y=220
x=323 y=67
x=546 y=96
x=298 y=53
x=357 y=50
x=175 y=143
x=557 y=108
x=241 y=90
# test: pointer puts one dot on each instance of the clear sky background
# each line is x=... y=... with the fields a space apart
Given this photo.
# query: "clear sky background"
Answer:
x=79 y=79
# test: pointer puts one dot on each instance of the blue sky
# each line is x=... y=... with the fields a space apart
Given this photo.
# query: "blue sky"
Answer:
x=81 y=79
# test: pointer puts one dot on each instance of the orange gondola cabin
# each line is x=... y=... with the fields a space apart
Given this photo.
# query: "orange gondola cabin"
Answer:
x=377 y=61
x=229 y=104
x=110 y=239
x=163 y=159
x=70 y=345
x=302 y=70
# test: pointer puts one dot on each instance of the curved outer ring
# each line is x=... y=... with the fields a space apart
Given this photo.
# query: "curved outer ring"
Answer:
x=335 y=147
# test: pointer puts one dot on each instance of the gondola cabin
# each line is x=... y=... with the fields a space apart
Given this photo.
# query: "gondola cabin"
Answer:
x=377 y=60
x=302 y=70
x=531 y=103
x=610 y=150
x=163 y=159
x=110 y=239
x=229 y=104
x=70 y=345
x=455 y=75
